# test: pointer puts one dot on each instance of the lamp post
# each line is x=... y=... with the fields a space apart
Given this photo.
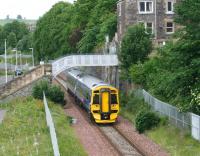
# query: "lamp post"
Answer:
x=20 y=59
x=15 y=50
x=6 y=63
x=16 y=57
x=32 y=56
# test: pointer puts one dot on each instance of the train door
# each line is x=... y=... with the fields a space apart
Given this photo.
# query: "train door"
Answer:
x=105 y=102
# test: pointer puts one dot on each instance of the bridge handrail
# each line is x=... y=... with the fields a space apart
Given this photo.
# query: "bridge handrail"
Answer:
x=64 y=63
x=79 y=54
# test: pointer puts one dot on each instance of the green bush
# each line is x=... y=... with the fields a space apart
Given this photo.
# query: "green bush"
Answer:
x=146 y=120
x=56 y=94
x=38 y=89
x=132 y=103
x=136 y=46
x=52 y=92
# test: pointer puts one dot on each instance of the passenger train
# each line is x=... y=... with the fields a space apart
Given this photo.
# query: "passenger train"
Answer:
x=100 y=99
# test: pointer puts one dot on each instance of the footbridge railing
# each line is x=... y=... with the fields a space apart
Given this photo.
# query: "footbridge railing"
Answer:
x=83 y=60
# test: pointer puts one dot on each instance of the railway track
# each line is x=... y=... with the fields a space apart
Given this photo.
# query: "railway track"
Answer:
x=121 y=144
x=114 y=136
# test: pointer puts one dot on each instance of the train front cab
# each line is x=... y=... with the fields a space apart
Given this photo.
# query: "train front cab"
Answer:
x=104 y=104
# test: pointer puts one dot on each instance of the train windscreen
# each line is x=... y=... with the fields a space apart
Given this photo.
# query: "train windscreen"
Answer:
x=96 y=99
x=113 y=99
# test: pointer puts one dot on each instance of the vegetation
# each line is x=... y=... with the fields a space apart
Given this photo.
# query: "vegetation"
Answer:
x=173 y=75
x=53 y=92
x=135 y=47
x=138 y=112
x=24 y=130
x=39 y=88
x=56 y=94
x=70 y=28
x=17 y=36
x=146 y=120
x=52 y=32
x=132 y=104
x=176 y=142
x=9 y=20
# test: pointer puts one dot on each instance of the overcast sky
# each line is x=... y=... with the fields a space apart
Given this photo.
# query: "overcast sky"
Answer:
x=30 y=9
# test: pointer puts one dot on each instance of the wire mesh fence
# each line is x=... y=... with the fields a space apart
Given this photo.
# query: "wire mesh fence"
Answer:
x=187 y=121
x=50 y=124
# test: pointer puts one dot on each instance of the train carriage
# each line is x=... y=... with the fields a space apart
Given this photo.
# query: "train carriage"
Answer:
x=100 y=99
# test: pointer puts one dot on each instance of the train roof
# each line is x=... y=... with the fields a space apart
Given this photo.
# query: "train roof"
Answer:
x=88 y=80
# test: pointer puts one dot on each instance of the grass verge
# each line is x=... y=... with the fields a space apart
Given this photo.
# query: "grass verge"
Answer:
x=24 y=130
x=176 y=142
x=173 y=140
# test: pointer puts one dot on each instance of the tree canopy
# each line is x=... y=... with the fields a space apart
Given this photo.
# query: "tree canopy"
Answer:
x=135 y=47
x=14 y=33
x=52 y=32
x=188 y=15
x=19 y=28
x=70 y=28
x=12 y=40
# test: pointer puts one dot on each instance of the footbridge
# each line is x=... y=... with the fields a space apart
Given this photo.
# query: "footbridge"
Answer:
x=67 y=62
x=55 y=69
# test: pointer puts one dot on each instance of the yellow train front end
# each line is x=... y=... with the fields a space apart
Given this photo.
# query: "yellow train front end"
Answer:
x=104 y=104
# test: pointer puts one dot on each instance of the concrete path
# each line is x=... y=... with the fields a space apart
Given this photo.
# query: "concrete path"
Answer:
x=2 y=114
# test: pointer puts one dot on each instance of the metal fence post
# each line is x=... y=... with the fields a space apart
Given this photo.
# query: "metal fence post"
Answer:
x=199 y=128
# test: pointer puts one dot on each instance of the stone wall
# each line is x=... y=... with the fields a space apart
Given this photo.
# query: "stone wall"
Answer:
x=23 y=92
x=22 y=81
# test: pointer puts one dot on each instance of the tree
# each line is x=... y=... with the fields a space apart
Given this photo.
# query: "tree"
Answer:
x=25 y=43
x=68 y=28
x=188 y=12
x=2 y=39
x=17 y=34
x=19 y=17
x=53 y=31
x=101 y=21
x=7 y=17
x=19 y=28
x=135 y=47
x=12 y=40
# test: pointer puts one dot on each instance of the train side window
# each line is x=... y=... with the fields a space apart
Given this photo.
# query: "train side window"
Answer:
x=87 y=96
x=113 y=99
x=96 y=99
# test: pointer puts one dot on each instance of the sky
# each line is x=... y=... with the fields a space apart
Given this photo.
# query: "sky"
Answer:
x=30 y=9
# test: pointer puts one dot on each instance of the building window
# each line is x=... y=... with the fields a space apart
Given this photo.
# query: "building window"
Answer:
x=145 y=7
x=148 y=26
x=169 y=27
x=170 y=7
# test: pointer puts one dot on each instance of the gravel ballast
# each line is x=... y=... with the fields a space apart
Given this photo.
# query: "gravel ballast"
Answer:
x=140 y=141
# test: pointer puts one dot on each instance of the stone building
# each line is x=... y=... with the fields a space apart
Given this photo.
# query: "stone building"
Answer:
x=156 y=15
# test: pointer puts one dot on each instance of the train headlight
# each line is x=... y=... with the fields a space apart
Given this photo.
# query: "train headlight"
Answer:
x=114 y=111
x=96 y=111
x=114 y=105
